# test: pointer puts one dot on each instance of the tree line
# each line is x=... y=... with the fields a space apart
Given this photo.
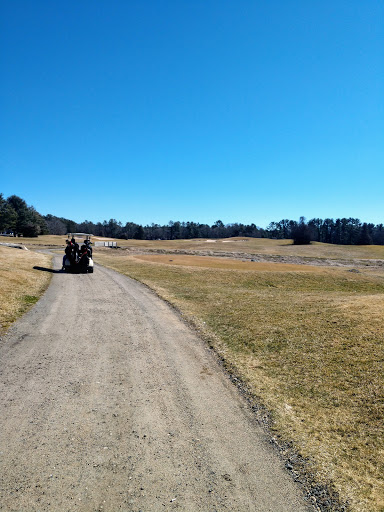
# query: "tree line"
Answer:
x=17 y=217
x=171 y=231
x=345 y=231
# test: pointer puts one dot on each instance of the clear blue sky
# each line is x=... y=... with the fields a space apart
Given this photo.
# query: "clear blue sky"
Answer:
x=158 y=110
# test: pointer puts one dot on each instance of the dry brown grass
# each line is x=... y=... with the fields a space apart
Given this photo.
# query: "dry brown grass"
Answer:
x=252 y=246
x=262 y=246
x=20 y=284
x=310 y=344
x=38 y=242
x=224 y=263
x=309 y=341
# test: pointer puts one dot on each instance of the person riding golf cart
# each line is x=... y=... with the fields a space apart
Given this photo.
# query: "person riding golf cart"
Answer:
x=78 y=259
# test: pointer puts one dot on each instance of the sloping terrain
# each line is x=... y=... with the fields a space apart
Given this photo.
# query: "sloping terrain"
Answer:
x=108 y=401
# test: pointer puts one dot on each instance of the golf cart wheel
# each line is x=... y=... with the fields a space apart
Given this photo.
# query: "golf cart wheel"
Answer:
x=90 y=270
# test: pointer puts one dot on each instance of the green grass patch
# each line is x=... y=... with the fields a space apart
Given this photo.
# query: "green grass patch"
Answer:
x=30 y=299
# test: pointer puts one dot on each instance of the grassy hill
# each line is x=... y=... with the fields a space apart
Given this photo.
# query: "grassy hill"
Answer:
x=300 y=328
x=307 y=341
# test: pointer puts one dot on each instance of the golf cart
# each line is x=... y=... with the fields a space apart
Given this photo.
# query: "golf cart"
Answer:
x=78 y=254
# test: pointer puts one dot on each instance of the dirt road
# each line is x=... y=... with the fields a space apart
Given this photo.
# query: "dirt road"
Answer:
x=109 y=402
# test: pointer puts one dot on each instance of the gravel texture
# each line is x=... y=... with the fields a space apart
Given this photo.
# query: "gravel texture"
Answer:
x=109 y=402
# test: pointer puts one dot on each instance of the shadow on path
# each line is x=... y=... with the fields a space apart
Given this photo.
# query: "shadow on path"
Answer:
x=44 y=269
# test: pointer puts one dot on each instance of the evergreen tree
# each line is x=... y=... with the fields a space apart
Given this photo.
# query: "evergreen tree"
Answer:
x=301 y=234
x=8 y=216
x=139 y=233
x=364 y=237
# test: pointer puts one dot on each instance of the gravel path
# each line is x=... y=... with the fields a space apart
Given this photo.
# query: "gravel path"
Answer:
x=109 y=402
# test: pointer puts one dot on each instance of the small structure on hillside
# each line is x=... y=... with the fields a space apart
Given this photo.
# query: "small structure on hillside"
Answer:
x=106 y=243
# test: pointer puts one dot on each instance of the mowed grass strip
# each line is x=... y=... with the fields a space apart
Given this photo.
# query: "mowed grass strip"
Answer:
x=20 y=284
x=308 y=342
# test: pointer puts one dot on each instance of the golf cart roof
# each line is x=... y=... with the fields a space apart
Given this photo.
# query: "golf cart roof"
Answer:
x=80 y=234
x=87 y=236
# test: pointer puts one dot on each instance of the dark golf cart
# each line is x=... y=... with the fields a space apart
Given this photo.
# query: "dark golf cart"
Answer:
x=78 y=254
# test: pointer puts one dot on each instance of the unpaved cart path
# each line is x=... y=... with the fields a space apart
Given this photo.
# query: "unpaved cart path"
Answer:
x=109 y=402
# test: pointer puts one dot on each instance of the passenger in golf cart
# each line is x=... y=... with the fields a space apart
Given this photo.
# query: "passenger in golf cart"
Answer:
x=84 y=257
x=78 y=260
x=70 y=255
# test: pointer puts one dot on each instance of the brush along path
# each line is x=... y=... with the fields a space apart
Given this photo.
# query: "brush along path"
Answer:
x=109 y=402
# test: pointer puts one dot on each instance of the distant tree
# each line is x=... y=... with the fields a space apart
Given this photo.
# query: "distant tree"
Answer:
x=336 y=236
x=17 y=216
x=70 y=225
x=154 y=232
x=129 y=230
x=327 y=230
x=301 y=234
x=353 y=230
x=17 y=203
x=33 y=223
x=55 y=225
x=98 y=230
x=284 y=228
x=139 y=233
x=272 y=230
x=113 y=228
x=171 y=231
x=315 y=225
x=176 y=230
x=29 y=222
x=86 y=227
x=378 y=234
x=8 y=216
x=30 y=229
x=42 y=224
x=218 y=229
x=205 y=230
x=250 y=230
x=364 y=237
